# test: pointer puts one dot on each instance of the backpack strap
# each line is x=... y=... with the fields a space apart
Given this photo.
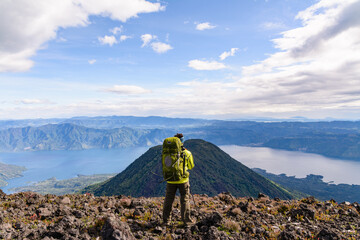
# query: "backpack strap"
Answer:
x=184 y=159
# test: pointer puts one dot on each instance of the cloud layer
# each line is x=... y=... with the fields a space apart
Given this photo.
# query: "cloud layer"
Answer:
x=25 y=26
x=206 y=65
x=127 y=90
x=34 y=101
x=316 y=68
x=314 y=72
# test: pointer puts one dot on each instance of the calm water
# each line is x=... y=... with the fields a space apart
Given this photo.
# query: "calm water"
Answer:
x=67 y=164
x=297 y=164
x=43 y=165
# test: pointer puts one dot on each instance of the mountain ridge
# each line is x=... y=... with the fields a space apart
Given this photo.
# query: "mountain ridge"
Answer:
x=214 y=172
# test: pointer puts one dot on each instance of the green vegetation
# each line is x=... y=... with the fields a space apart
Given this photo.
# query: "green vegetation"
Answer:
x=214 y=172
x=315 y=186
x=8 y=171
x=67 y=186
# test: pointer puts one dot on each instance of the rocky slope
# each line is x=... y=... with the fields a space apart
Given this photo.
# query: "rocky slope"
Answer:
x=32 y=216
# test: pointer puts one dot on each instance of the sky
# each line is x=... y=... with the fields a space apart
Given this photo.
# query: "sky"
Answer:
x=191 y=58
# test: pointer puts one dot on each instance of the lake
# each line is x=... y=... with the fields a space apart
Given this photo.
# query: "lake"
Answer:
x=43 y=165
x=297 y=164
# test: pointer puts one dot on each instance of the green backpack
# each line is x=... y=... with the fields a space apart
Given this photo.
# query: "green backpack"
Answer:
x=173 y=160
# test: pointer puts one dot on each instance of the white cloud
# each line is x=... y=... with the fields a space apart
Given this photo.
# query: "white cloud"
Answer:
x=116 y=30
x=127 y=90
x=146 y=39
x=204 y=26
x=160 y=47
x=124 y=37
x=110 y=40
x=206 y=65
x=92 y=61
x=34 y=101
x=232 y=52
x=25 y=26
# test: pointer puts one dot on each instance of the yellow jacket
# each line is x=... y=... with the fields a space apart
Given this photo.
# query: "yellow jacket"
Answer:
x=189 y=164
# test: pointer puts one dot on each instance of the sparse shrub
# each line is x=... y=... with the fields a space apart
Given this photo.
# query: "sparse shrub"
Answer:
x=147 y=216
x=236 y=211
x=309 y=200
x=231 y=225
x=299 y=217
x=283 y=209
x=99 y=223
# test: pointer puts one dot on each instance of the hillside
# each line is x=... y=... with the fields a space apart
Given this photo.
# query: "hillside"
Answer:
x=214 y=172
x=62 y=187
x=314 y=185
x=73 y=137
x=344 y=146
x=32 y=216
x=8 y=171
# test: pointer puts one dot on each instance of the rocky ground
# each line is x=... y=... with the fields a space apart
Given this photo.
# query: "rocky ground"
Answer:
x=33 y=216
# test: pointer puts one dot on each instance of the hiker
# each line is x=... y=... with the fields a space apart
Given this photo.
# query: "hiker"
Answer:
x=176 y=161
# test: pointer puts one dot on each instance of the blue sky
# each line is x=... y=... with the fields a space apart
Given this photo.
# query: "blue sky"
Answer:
x=203 y=59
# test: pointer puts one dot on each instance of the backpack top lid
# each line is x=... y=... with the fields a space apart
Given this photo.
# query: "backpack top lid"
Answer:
x=172 y=145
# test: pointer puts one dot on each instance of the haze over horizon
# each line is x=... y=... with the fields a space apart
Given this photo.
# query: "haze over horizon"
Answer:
x=195 y=59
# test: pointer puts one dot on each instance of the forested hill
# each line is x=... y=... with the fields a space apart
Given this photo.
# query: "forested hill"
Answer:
x=214 y=172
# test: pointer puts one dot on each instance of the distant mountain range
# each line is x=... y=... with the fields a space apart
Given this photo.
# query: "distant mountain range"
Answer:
x=338 y=139
x=214 y=172
x=110 y=122
x=68 y=136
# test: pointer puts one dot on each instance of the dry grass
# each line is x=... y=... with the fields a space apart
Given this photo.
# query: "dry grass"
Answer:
x=232 y=225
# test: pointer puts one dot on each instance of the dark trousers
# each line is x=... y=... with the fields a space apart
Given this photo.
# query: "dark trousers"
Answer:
x=171 y=189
